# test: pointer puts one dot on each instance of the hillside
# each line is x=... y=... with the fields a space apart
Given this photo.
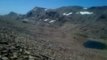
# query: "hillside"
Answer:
x=65 y=33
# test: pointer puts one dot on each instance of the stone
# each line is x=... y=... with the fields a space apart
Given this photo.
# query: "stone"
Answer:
x=31 y=58
x=5 y=58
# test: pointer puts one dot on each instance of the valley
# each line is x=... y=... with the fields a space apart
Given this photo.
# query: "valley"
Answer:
x=65 y=33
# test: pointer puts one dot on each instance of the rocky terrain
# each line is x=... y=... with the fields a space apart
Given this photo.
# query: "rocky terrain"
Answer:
x=65 y=33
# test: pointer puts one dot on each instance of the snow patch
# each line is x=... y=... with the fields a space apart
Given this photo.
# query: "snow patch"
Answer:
x=67 y=14
x=46 y=20
x=85 y=8
x=85 y=13
x=52 y=21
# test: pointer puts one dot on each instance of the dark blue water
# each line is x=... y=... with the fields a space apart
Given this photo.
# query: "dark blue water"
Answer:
x=94 y=45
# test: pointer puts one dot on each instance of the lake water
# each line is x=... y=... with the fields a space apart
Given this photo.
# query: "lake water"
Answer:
x=94 y=45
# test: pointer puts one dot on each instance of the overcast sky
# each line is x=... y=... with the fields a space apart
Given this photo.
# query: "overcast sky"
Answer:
x=23 y=6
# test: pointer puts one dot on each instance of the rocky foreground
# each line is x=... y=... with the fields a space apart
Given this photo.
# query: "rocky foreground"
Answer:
x=12 y=51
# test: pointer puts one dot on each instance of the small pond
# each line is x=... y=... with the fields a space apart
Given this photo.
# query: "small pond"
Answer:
x=94 y=44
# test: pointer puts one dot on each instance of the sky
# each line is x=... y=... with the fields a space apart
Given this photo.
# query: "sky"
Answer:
x=23 y=6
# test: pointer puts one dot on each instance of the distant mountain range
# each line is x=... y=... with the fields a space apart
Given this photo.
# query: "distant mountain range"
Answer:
x=93 y=16
x=73 y=14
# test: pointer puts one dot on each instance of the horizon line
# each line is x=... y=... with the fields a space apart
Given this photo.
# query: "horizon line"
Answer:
x=51 y=8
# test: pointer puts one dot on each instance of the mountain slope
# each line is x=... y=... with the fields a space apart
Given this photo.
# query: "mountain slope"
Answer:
x=55 y=34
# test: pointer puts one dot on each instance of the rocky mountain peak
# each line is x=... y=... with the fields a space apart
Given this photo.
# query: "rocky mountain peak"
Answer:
x=36 y=11
x=12 y=14
x=38 y=8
